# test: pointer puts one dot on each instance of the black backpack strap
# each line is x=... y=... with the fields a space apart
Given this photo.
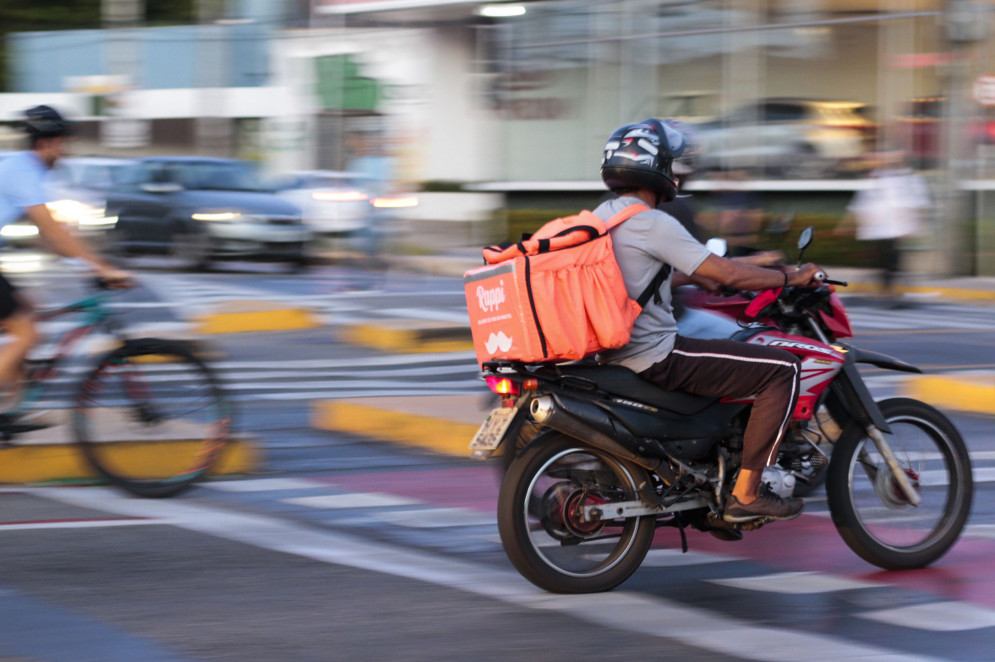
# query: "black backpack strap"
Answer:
x=653 y=289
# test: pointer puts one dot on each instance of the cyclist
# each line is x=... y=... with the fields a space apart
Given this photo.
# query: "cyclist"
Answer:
x=637 y=166
x=22 y=192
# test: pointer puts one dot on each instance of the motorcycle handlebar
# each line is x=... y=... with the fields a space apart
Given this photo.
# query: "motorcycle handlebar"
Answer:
x=821 y=277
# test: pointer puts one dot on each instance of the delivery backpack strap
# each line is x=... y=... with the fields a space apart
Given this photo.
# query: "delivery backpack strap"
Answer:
x=652 y=290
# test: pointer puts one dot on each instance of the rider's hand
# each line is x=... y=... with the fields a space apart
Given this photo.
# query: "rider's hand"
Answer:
x=804 y=276
x=115 y=278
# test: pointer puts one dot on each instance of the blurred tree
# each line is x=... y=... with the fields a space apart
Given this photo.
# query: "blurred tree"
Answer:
x=39 y=15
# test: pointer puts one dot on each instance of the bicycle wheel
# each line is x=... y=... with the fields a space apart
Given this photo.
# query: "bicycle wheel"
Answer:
x=151 y=418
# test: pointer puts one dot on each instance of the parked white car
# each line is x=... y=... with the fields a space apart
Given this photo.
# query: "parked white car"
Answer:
x=332 y=202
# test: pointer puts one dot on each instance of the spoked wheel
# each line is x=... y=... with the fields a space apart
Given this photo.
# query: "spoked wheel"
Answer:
x=873 y=515
x=151 y=417
x=542 y=522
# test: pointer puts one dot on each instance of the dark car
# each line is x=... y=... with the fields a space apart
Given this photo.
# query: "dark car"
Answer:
x=203 y=209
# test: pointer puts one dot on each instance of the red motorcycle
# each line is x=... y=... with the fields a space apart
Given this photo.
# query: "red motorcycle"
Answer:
x=597 y=458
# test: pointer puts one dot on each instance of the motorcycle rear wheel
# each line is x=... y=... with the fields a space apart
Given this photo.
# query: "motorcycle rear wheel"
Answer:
x=540 y=525
x=872 y=515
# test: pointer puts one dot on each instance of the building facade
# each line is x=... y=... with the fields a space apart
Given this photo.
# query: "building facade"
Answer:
x=508 y=96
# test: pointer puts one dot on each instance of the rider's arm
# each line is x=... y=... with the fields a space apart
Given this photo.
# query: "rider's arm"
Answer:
x=680 y=279
x=762 y=259
x=66 y=244
x=743 y=276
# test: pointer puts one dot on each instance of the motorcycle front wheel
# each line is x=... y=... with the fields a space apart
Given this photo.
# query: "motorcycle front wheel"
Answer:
x=869 y=509
x=545 y=534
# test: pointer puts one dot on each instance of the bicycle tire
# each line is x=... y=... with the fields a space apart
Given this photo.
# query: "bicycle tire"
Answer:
x=151 y=417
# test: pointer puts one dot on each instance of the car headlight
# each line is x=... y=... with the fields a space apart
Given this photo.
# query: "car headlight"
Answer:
x=18 y=231
x=395 y=202
x=216 y=216
x=75 y=212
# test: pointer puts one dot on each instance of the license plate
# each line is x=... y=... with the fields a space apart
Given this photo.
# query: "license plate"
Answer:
x=492 y=431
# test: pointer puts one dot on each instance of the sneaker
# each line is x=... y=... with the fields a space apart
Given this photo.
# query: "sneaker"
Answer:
x=767 y=505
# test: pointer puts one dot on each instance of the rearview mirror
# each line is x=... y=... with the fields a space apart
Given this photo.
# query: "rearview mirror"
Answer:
x=805 y=238
x=717 y=246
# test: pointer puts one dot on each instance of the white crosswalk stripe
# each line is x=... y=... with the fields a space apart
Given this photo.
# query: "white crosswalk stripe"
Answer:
x=375 y=509
x=927 y=316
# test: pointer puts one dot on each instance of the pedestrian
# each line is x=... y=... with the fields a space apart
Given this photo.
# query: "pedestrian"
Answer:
x=885 y=215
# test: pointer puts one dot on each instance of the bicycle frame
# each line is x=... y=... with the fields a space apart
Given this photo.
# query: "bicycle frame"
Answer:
x=39 y=372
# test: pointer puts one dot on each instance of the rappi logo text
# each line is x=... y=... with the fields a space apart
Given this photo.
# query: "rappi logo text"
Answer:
x=490 y=299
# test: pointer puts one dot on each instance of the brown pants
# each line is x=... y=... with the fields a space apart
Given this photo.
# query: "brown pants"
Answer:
x=730 y=369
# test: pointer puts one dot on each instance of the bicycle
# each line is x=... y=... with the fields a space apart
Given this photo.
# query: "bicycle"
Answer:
x=149 y=415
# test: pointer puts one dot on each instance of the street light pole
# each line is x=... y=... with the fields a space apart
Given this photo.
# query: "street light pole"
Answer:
x=965 y=24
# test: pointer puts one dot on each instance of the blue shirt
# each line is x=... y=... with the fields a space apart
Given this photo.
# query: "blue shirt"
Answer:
x=22 y=185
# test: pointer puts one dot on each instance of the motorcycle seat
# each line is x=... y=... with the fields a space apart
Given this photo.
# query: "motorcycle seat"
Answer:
x=620 y=381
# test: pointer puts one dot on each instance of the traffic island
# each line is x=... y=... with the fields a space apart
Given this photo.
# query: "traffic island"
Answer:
x=409 y=336
x=247 y=316
x=973 y=393
x=444 y=424
x=53 y=456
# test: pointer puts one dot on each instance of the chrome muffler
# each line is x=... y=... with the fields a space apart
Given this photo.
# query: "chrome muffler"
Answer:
x=546 y=412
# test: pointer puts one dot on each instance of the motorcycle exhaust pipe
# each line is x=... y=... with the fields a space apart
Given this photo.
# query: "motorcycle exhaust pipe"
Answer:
x=545 y=412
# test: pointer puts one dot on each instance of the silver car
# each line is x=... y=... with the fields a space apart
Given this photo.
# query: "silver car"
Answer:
x=794 y=138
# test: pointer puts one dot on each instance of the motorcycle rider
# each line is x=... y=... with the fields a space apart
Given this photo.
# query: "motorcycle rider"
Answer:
x=637 y=166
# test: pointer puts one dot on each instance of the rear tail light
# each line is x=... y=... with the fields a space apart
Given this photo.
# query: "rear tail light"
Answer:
x=502 y=385
x=990 y=130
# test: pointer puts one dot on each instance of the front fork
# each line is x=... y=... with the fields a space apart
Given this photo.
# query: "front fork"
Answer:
x=897 y=473
x=859 y=398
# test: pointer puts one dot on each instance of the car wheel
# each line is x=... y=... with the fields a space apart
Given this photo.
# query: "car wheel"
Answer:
x=805 y=162
x=299 y=263
x=193 y=249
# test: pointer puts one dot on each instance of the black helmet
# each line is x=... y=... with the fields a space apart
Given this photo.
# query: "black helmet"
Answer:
x=45 y=122
x=686 y=165
x=641 y=156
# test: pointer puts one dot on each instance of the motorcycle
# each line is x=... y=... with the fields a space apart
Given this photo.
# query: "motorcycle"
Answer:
x=596 y=458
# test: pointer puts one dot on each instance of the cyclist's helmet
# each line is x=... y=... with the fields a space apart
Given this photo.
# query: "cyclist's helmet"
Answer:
x=45 y=122
x=641 y=156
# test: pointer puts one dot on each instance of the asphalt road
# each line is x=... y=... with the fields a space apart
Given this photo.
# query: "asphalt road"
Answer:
x=351 y=549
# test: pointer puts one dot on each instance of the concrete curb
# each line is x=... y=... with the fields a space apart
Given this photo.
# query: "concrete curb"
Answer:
x=246 y=316
x=444 y=424
x=972 y=393
x=63 y=461
x=409 y=336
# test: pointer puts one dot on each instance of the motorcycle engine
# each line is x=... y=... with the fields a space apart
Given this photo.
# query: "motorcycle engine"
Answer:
x=781 y=481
